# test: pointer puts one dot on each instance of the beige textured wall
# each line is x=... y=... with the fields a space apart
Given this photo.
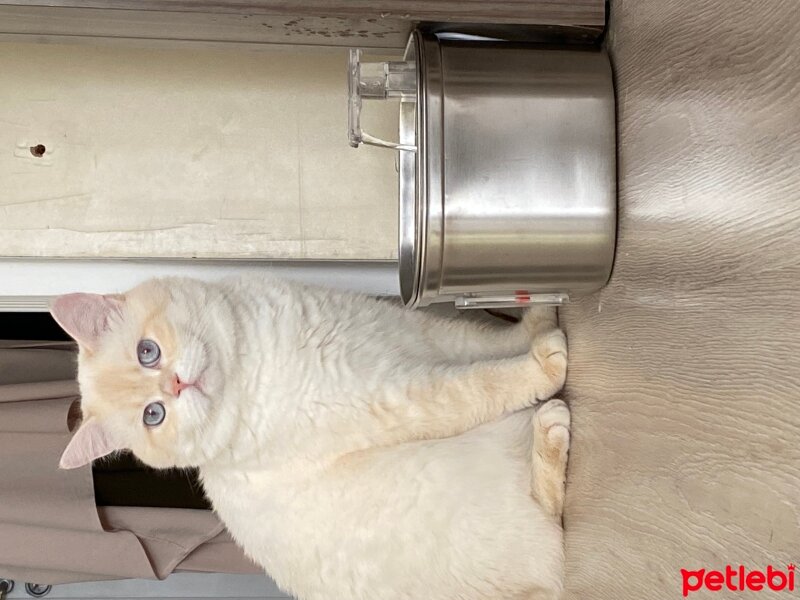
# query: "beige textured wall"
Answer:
x=181 y=153
x=684 y=374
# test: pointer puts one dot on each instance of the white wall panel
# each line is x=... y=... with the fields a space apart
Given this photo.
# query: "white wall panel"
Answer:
x=188 y=153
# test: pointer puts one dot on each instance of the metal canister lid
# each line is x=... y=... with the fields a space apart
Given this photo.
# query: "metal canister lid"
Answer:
x=411 y=233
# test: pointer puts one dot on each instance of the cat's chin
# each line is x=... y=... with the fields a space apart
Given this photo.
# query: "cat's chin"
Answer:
x=163 y=461
x=159 y=462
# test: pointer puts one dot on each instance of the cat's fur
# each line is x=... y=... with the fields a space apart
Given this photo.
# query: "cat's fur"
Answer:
x=353 y=448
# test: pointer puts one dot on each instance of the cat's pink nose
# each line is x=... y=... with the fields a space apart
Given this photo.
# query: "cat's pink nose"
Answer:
x=178 y=385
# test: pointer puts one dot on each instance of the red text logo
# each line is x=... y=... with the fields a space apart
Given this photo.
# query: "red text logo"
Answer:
x=738 y=579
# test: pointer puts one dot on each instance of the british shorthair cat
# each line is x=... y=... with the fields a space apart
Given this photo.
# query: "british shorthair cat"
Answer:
x=354 y=449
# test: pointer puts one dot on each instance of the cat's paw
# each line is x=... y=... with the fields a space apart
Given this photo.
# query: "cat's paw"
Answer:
x=550 y=352
x=551 y=436
x=537 y=319
x=552 y=422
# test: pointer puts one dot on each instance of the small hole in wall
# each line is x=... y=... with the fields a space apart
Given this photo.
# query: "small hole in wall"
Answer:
x=38 y=150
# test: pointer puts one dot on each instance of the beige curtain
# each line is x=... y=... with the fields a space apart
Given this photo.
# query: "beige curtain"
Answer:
x=50 y=529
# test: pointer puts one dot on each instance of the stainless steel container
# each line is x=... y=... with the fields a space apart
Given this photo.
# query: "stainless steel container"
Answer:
x=507 y=169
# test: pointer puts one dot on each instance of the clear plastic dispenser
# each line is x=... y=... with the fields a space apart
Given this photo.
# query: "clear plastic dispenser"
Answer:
x=377 y=81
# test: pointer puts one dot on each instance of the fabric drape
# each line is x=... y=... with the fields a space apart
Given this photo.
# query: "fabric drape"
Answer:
x=51 y=531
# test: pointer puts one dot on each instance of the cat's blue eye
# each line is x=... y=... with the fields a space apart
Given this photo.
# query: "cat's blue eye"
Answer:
x=154 y=414
x=148 y=353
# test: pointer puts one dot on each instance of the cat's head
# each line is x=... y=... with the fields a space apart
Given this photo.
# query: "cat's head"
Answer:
x=150 y=369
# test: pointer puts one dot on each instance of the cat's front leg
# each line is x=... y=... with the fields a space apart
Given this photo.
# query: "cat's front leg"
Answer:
x=549 y=457
x=549 y=348
x=448 y=401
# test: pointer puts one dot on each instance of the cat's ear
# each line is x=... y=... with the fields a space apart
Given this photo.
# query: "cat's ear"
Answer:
x=85 y=316
x=91 y=441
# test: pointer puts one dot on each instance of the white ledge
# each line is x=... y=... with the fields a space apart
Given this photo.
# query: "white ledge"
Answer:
x=26 y=285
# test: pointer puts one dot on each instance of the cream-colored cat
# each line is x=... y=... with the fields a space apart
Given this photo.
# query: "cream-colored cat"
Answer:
x=353 y=448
